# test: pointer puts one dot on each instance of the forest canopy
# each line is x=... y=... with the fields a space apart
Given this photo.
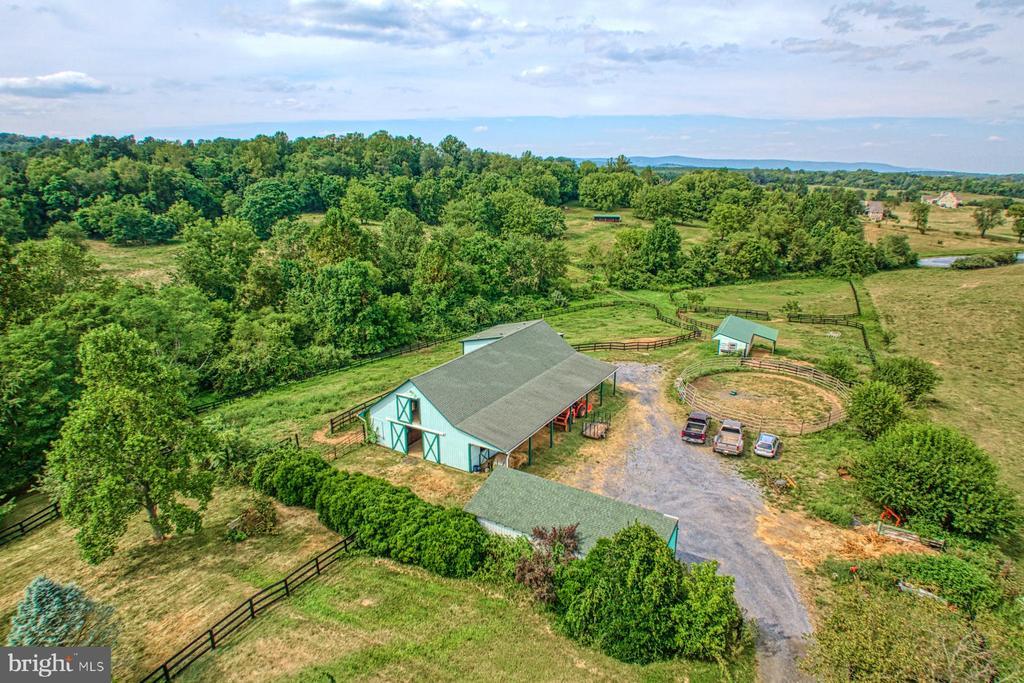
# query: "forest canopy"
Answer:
x=296 y=256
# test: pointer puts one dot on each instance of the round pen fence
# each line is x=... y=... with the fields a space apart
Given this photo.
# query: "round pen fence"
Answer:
x=701 y=401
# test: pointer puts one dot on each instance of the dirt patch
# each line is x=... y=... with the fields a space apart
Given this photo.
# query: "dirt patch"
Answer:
x=599 y=459
x=324 y=436
x=430 y=481
x=808 y=542
x=775 y=397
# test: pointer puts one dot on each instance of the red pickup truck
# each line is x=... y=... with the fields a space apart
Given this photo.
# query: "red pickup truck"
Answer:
x=696 y=429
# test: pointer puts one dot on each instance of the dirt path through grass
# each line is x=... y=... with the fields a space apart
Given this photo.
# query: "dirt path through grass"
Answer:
x=718 y=512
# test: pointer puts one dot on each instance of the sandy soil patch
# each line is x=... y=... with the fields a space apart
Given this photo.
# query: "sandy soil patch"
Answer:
x=774 y=396
x=808 y=542
x=599 y=459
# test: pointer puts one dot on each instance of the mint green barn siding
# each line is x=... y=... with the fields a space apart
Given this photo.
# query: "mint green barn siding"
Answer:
x=471 y=345
x=453 y=447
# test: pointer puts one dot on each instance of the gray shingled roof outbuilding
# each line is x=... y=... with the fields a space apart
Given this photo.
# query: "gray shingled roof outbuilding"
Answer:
x=505 y=391
x=521 y=501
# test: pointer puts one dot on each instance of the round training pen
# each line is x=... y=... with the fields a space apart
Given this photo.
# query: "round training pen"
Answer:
x=719 y=408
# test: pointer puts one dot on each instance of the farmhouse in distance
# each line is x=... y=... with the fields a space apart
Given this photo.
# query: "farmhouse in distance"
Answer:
x=511 y=382
x=946 y=200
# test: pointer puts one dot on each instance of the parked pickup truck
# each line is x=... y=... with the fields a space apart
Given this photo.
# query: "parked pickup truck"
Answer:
x=696 y=429
x=729 y=440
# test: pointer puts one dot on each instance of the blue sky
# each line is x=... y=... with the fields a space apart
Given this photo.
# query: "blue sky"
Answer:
x=925 y=84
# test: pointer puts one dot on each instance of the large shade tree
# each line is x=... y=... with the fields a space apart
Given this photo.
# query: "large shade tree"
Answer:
x=129 y=445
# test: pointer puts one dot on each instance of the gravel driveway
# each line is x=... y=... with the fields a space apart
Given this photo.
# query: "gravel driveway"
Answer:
x=717 y=511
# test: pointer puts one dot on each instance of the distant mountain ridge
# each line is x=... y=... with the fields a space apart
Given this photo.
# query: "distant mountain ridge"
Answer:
x=795 y=165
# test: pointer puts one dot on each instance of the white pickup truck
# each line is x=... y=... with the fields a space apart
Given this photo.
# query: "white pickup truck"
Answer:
x=729 y=440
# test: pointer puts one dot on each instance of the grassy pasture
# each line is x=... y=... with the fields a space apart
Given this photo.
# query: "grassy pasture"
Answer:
x=153 y=264
x=815 y=295
x=164 y=594
x=383 y=621
x=582 y=232
x=305 y=407
x=943 y=225
x=387 y=622
x=968 y=324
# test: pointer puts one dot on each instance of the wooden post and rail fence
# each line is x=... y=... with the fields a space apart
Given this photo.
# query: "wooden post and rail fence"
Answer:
x=30 y=523
x=691 y=395
x=214 y=637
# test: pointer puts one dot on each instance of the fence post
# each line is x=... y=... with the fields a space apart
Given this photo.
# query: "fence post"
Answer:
x=167 y=674
x=296 y=439
x=213 y=644
x=252 y=609
x=287 y=591
x=316 y=561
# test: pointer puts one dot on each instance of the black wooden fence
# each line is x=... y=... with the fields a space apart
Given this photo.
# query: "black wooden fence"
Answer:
x=350 y=415
x=214 y=636
x=856 y=299
x=836 y=320
x=693 y=322
x=636 y=345
x=33 y=521
x=721 y=310
x=205 y=406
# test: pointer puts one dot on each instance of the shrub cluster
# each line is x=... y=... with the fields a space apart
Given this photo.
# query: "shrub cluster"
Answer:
x=915 y=378
x=938 y=476
x=390 y=521
x=631 y=598
x=874 y=407
x=984 y=261
x=258 y=518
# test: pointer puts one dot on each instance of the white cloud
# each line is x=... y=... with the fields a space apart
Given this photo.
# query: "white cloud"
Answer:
x=480 y=129
x=419 y=24
x=996 y=138
x=60 y=84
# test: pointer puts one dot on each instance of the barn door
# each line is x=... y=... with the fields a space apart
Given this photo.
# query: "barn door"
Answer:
x=399 y=437
x=405 y=408
x=431 y=447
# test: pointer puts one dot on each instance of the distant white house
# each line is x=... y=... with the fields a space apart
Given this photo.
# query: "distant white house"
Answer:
x=946 y=200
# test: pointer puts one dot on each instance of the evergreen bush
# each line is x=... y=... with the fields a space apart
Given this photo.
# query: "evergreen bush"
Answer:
x=61 y=615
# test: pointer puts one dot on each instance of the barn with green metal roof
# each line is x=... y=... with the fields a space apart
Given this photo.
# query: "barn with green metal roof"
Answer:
x=511 y=382
x=738 y=335
x=513 y=503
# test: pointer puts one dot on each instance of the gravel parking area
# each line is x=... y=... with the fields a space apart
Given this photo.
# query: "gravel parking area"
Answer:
x=717 y=511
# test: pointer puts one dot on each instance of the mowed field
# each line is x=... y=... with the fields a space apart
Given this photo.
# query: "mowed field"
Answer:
x=374 y=620
x=950 y=231
x=151 y=264
x=968 y=324
x=366 y=619
x=305 y=407
x=583 y=232
x=164 y=594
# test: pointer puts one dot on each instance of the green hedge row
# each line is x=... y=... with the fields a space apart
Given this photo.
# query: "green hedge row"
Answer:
x=389 y=521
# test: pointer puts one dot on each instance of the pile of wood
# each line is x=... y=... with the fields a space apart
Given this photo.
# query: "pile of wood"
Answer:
x=595 y=430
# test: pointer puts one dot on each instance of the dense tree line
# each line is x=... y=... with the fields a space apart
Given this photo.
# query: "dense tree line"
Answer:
x=755 y=231
x=910 y=185
x=298 y=255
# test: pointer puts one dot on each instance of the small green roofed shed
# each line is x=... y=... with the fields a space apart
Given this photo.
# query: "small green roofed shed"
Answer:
x=513 y=503
x=736 y=335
